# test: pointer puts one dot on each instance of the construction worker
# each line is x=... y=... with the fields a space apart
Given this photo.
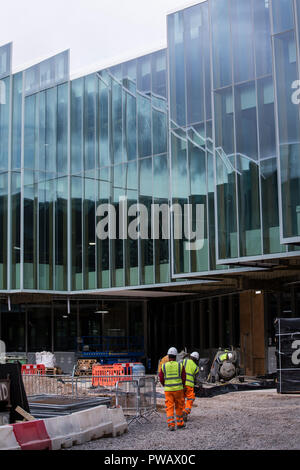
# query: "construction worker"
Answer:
x=191 y=370
x=219 y=359
x=172 y=377
x=162 y=361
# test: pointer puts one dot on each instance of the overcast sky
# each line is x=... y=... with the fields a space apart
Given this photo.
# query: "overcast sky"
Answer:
x=97 y=31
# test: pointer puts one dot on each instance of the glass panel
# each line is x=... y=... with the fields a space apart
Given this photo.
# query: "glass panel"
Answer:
x=147 y=246
x=62 y=128
x=39 y=329
x=17 y=121
x=246 y=122
x=45 y=222
x=130 y=126
x=144 y=74
x=5 y=60
x=224 y=122
x=221 y=43
x=13 y=328
x=161 y=196
x=4 y=122
x=131 y=246
x=144 y=127
x=159 y=73
x=266 y=119
x=262 y=37
x=159 y=132
x=198 y=184
x=15 y=230
x=65 y=328
x=242 y=40
x=77 y=125
x=103 y=197
x=180 y=194
x=194 y=64
x=89 y=122
x=177 y=68
x=249 y=207
x=283 y=18
x=61 y=234
x=129 y=75
x=89 y=234
x=117 y=139
x=104 y=159
x=3 y=230
x=30 y=231
x=270 y=213
x=76 y=204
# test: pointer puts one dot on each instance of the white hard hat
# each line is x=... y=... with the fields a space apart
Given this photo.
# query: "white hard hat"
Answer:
x=230 y=356
x=195 y=355
x=172 y=352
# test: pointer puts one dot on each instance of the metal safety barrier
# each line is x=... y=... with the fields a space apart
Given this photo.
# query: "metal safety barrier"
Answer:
x=137 y=397
x=84 y=387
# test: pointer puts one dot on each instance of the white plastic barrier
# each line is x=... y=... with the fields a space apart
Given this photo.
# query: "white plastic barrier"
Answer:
x=8 y=440
x=93 y=424
x=62 y=432
x=119 y=422
x=74 y=429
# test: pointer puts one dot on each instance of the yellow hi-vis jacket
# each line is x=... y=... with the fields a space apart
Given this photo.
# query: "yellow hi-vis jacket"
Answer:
x=172 y=374
x=191 y=370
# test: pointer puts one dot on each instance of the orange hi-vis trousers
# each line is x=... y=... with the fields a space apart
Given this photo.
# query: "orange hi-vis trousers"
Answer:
x=175 y=400
x=189 y=395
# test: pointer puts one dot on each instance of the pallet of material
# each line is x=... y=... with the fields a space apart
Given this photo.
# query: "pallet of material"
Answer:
x=84 y=367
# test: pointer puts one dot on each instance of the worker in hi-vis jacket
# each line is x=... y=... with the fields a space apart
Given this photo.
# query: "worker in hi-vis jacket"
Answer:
x=191 y=369
x=172 y=377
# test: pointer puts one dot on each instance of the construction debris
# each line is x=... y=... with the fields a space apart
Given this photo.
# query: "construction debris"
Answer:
x=26 y=416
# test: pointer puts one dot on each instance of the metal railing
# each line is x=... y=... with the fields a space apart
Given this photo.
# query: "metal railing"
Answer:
x=136 y=394
x=137 y=397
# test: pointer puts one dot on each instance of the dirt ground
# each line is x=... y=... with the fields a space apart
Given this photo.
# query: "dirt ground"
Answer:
x=255 y=420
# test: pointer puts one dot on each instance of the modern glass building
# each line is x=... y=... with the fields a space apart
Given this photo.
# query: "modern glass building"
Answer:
x=212 y=119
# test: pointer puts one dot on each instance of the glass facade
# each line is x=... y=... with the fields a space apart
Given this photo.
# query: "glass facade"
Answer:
x=211 y=121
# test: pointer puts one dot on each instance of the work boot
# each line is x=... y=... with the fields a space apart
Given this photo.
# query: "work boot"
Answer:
x=171 y=428
x=181 y=427
x=185 y=416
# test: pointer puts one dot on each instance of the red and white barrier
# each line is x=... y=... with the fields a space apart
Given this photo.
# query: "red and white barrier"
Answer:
x=64 y=431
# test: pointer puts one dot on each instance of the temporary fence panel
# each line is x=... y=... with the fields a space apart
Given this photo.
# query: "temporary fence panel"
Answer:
x=137 y=397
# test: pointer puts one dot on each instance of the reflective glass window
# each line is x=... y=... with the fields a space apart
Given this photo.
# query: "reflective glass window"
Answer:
x=221 y=43
x=17 y=121
x=266 y=119
x=283 y=18
x=89 y=122
x=77 y=106
x=194 y=64
x=246 y=122
x=117 y=136
x=5 y=60
x=159 y=73
x=4 y=121
x=177 y=68
x=242 y=40
x=144 y=74
x=270 y=211
x=262 y=37
x=144 y=127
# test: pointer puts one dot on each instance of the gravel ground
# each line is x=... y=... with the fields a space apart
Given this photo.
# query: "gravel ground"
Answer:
x=255 y=420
